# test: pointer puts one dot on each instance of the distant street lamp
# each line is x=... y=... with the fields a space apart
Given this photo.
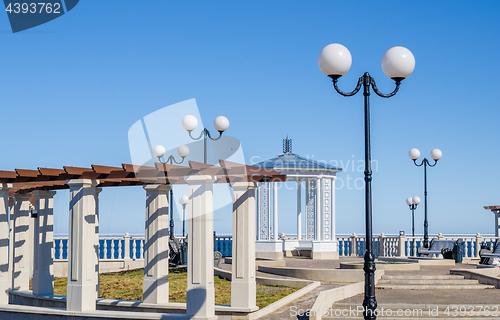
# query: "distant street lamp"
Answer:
x=413 y=203
x=184 y=201
x=190 y=123
x=159 y=151
x=436 y=154
x=398 y=63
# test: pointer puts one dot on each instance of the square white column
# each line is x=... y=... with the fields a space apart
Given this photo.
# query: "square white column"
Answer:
x=4 y=243
x=318 y=212
x=243 y=285
x=43 y=238
x=22 y=248
x=299 y=210
x=200 y=285
x=497 y=222
x=83 y=246
x=156 y=250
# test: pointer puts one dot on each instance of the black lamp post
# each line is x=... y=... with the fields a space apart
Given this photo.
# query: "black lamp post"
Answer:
x=413 y=203
x=436 y=154
x=398 y=63
x=190 y=123
x=159 y=151
x=184 y=201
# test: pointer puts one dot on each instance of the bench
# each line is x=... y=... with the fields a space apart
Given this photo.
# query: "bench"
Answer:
x=447 y=248
x=176 y=251
x=487 y=254
x=217 y=259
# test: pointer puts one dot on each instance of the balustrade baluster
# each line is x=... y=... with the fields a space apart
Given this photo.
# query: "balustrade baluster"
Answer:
x=120 y=249
x=61 y=250
x=105 y=251
x=134 y=249
x=141 y=249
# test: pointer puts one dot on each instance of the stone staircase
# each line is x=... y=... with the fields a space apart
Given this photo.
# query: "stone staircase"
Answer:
x=431 y=282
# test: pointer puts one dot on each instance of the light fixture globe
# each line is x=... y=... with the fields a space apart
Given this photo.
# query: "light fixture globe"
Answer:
x=416 y=200
x=436 y=154
x=189 y=122
x=183 y=151
x=335 y=60
x=221 y=123
x=184 y=200
x=414 y=154
x=159 y=151
x=398 y=63
x=409 y=201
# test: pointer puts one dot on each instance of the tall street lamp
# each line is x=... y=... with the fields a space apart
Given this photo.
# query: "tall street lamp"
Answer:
x=398 y=63
x=413 y=203
x=159 y=151
x=183 y=201
x=436 y=154
x=190 y=123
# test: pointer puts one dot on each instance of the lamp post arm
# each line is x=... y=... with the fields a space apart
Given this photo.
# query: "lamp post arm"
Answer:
x=348 y=94
x=211 y=138
x=383 y=95
x=432 y=165
x=421 y=164
x=201 y=135
x=171 y=160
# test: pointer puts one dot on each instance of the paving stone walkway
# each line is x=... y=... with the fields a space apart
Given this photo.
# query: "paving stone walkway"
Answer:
x=298 y=309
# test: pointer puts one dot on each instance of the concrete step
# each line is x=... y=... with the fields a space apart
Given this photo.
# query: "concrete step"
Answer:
x=440 y=277
x=429 y=286
x=428 y=281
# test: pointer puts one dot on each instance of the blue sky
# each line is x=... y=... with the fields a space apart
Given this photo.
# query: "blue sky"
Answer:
x=72 y=88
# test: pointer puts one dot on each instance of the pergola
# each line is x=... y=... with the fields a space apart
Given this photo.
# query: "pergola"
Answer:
x=496 y=212
x=38 y=187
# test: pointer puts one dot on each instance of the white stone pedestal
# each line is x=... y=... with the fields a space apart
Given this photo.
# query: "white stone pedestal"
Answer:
x=269 y=249
x=83 y=246
x=324 y=250
x=200 y=285
x=43 y=238
x=155 y=284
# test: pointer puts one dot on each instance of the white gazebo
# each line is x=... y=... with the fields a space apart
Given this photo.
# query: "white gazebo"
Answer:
x=317 y=240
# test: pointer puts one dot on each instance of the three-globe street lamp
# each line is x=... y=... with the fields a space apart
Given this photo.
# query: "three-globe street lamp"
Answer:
x=190 y=123
x=398 y=63
x=413 y=203
x=436 y=154
x=183 y=201
x=159 y=151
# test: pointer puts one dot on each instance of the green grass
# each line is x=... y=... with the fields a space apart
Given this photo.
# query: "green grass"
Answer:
x=128 y=286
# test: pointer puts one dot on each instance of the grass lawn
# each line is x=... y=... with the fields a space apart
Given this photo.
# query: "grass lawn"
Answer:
x=128 y=286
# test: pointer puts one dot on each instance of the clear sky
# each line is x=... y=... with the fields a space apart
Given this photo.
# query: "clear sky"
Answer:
x=71 y=89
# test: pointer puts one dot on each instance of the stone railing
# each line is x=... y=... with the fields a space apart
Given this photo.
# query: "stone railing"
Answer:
x=110 y=247
x=403 y=246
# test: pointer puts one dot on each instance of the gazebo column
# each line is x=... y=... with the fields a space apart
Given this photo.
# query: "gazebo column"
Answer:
x=243 y=285
x=317 y=218
x=326 y=247
x=156 y=250
x=299 y=210
x=266 y=247
x=200 y=280
x=22 y=247
x=275 y=211
x=43 y=273
x=4 y=243
x=83 y=246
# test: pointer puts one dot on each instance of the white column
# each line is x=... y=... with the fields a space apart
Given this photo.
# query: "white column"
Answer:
x=318 y=209
x=243 y=285
x=275 y=211
x=21 y=245
x=332 y=208
x=96 y=197
x=299 y=210
x=83 y=246
x=269 y=211
x=497 y=222
x=156 y=285
x=43 y=238
x=200 y=285
x=4 y=243
x=257 y=213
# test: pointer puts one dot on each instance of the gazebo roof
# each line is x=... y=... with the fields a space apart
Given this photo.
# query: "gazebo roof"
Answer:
x=291 y=162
